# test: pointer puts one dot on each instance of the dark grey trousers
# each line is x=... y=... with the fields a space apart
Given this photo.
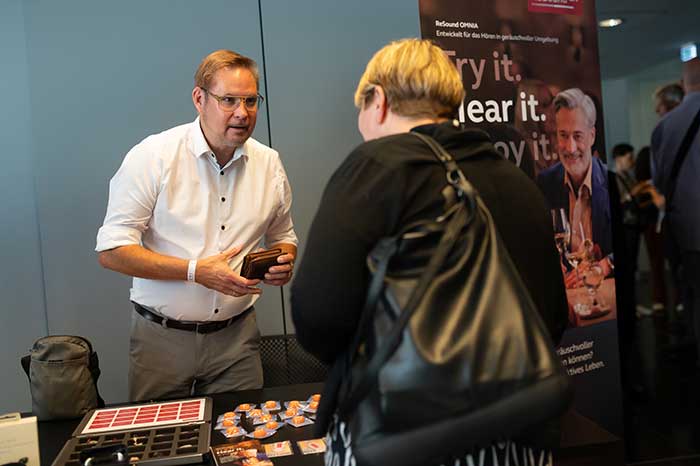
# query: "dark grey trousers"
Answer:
x=169 y=363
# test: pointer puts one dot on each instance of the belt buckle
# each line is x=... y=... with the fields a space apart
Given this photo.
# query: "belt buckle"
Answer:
x=204 y=327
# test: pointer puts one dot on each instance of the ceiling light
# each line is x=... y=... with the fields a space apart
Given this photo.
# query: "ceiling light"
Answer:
x=611 y=22
x=689 y=51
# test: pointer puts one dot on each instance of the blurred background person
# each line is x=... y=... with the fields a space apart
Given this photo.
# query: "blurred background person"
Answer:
x=652 y=235
x=636 y=211
x=668 y=97
x=665 y=98
x=682 y=193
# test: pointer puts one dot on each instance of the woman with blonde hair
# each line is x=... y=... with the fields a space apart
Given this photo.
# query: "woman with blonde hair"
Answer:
x=392 y=180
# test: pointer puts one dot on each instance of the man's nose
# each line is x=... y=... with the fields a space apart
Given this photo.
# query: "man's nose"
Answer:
x=241 y=111
x=571 y=145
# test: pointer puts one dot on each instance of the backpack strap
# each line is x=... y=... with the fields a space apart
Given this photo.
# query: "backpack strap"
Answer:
x=25 y=360
x=94 y=368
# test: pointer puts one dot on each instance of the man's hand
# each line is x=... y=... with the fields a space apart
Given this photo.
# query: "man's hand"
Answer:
x=215 y=273
x=279 y=275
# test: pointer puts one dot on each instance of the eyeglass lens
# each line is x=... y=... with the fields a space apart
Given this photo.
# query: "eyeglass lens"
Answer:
x=231 y=103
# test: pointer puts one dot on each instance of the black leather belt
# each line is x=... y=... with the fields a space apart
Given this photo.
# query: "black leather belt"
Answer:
x=199 y=327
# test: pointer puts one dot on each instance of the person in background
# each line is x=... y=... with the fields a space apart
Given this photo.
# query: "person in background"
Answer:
x=625 y=275
x=682 y=220
x=651 y=234
x=665 y=98
x=653 y=242
x=392 y=180
x=184 y=208
x=635 y=211
x=668 y=97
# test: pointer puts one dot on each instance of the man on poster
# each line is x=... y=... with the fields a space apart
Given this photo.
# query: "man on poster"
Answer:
x=578 y=183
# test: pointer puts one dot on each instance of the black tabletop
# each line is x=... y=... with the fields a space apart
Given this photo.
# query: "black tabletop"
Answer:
x=53 y=434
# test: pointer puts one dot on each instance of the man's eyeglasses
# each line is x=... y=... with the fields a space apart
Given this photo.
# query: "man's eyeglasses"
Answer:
x=230 y=103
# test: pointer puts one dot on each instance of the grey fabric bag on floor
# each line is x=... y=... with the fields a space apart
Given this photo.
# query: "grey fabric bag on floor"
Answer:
x=63 y=372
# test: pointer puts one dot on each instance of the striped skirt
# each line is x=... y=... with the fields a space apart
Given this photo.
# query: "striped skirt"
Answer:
x=339 y=452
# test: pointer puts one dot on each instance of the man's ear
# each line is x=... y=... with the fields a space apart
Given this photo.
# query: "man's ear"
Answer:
x=198 y=98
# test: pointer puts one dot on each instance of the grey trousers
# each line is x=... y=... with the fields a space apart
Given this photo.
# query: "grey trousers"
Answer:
x=168 y=363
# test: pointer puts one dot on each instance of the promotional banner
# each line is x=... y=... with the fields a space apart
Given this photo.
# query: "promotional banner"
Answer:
x=532 y=78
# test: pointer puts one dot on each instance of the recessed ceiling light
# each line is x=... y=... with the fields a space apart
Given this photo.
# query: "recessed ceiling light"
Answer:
x=611 y=22
x=689 y=51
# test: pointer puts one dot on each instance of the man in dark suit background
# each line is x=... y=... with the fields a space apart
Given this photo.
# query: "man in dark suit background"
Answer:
x=579 y=183
x=683 y=218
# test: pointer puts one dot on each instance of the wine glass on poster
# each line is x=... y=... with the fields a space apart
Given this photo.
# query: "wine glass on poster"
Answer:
x=562 y=231
x=592 y=279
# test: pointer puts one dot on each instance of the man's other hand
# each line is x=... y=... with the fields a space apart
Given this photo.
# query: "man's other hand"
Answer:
x=279 y=275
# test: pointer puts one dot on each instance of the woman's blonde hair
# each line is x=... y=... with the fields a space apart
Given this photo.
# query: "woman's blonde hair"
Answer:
x=417 y=77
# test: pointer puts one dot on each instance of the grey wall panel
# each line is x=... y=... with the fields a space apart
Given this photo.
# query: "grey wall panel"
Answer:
x=22 y=313
x=616 y=106
x=104 y=75
x=315 y=54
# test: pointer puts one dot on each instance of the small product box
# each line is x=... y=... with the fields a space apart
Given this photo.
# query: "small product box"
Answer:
x=19 y=440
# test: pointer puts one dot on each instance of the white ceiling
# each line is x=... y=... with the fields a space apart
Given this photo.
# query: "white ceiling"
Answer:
x=652 y=33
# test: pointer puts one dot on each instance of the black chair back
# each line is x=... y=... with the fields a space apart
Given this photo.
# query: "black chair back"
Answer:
x=285 y=362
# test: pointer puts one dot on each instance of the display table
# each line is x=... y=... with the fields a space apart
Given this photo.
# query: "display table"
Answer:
x=53 y=434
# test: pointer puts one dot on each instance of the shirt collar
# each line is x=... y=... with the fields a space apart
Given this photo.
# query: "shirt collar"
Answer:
x=586 y=181
x=200 y=147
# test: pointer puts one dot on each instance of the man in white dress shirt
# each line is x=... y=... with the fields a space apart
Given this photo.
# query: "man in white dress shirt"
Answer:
x=184 y=208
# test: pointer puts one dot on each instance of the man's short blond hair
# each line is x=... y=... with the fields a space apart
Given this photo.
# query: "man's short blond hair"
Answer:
x=223 y=59
x=417 y=78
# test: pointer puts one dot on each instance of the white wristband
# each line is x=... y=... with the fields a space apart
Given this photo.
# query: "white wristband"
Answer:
x=191 y=267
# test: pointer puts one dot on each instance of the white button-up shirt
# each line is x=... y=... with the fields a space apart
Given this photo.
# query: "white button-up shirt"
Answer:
x=171 y=197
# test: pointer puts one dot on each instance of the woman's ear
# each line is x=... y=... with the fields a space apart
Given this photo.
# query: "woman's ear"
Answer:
x=381 y=105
